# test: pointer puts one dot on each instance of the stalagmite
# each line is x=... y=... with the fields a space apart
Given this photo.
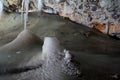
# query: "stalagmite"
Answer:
x=50 y=46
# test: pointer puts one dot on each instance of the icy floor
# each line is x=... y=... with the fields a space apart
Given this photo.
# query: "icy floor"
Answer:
x=94 y=54
x=49 y=64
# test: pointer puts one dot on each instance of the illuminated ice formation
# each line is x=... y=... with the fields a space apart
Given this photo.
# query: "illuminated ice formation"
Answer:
x=50 y=46
x=40 y=5
x=24 y=12
x=67 y=55
x=1 y=7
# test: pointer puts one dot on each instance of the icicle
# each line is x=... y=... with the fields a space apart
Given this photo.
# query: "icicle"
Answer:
x=1 y=8
x=65 y=8
x=24 y=12
x=39 y=5
x=25 y=21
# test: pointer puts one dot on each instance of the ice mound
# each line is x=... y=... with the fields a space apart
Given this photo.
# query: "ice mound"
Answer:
x=20 y=51
x=50 y=47
x=57 y=64
x=24 y=40
x=58 y=61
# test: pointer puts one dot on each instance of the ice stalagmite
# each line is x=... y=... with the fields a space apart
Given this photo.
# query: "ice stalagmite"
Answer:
x=51 y=46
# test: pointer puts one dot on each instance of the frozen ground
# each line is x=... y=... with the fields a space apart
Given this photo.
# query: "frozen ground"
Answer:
x=94 y=54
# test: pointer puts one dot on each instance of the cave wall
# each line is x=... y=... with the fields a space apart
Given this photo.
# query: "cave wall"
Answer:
x=103 y=15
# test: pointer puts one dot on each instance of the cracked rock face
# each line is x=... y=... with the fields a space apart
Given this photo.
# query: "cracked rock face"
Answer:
x=98 y=14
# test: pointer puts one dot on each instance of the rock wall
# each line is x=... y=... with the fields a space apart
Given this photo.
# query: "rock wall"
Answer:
x=103 y=15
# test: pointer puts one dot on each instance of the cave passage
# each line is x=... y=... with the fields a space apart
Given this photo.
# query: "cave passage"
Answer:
x=97 y=53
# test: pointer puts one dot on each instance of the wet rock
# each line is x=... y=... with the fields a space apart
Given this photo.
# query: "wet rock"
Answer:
x=115 y=36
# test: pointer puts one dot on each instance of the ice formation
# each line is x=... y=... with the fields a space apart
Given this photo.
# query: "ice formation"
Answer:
x=53 y=54
x=24 y=12
x=25 y=8
x=39 y=5
x=67 y=55
x=65 y=8
x=1 y=7
x=50 y=46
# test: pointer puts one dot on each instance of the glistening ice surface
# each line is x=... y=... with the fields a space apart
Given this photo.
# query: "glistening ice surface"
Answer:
x=94 y=54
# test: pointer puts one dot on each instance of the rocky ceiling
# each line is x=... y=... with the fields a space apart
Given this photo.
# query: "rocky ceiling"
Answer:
x=103 y=15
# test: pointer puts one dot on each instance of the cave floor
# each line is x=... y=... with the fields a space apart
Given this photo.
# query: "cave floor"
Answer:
x=98 y=54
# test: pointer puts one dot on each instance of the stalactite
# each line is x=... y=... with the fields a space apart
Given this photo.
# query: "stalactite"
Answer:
x=39 y=5
x=1 y=8
x=24 y=12
x=65 y=9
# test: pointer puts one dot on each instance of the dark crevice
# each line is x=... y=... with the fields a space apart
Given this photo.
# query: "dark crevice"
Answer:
x=115 y=36
x=19 y=70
